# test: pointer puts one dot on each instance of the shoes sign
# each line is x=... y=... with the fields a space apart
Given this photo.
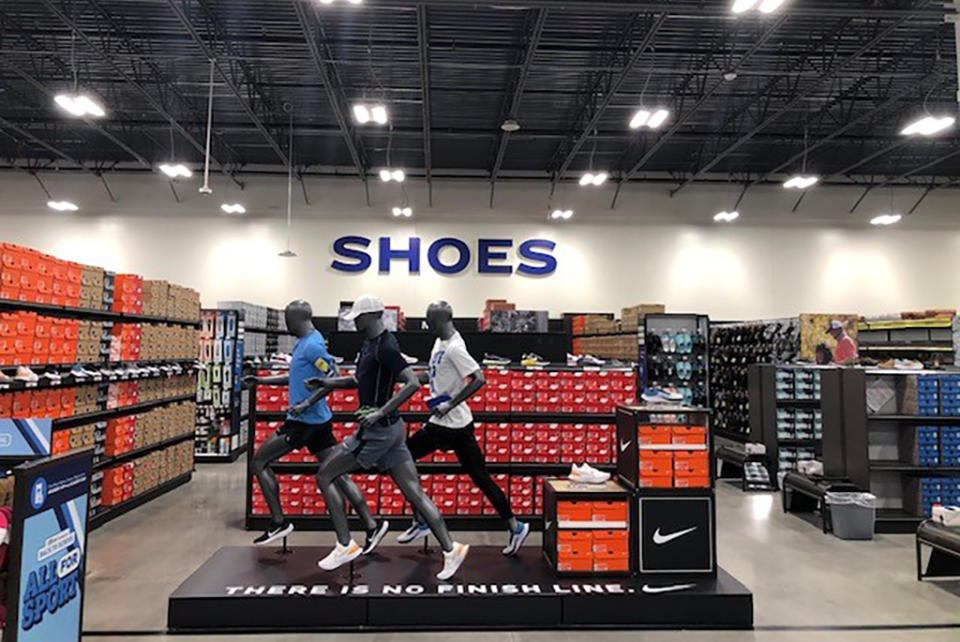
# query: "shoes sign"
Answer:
x=448 y=255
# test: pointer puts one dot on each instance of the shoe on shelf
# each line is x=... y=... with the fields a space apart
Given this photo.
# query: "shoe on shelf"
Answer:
x=273 y=533
x=495 y=360
x=453 y=560
x=574 y=359
x=52 y=376
x=410 y=360
x=78 y=373
x=340 y=555
x=587 y=474
x=26 y=375
x=5 y=379
x=532 y=360
x=516 y=540
x=415 y=532
x=590 y=360
x=661 y=395
x=375 y=536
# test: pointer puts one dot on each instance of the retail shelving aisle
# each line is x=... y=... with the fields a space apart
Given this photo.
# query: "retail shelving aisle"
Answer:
x=221 y=404
x=531 y=422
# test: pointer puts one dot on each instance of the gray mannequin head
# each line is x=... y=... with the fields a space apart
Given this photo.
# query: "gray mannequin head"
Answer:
x=440 y=319
x=370 y=324
x=299 y=318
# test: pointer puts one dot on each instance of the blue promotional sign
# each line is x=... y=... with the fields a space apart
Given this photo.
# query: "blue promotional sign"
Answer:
x=48 y=552
x=493 y=256
x=25 y=437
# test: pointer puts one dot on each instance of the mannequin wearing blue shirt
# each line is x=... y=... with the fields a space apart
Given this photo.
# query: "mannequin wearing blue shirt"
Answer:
x=308 y=424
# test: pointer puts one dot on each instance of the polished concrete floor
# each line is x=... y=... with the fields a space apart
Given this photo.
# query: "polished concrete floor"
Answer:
x=807 y=586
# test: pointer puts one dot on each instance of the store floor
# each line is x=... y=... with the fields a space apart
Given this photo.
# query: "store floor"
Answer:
x=807 y=586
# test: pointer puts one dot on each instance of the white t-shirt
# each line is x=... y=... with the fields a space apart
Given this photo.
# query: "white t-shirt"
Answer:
x=450 y=365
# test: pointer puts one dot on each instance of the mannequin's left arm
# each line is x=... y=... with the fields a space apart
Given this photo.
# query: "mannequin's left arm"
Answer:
x=477 y=381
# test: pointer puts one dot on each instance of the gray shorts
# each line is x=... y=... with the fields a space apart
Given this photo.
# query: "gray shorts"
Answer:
x=381 y=447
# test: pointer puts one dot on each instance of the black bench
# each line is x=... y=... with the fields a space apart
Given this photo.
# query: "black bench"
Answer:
x=803 y=493
x=731 y=464
x=944 y=543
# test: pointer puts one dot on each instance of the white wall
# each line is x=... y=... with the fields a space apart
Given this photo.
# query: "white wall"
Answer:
x=652 y=249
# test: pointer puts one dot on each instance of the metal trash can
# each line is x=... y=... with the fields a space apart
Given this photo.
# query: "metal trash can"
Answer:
x=853 y=514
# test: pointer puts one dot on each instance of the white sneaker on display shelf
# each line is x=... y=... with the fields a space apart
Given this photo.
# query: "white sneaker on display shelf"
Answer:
x=26 y=375
x=662 y=396
x=340 y=555
x=587 y=474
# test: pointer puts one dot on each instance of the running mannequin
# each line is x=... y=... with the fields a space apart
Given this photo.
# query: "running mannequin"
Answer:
x=380 y=441
x=307 y=424
x=454 y=376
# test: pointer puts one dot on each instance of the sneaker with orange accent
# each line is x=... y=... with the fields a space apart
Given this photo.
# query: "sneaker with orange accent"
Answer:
x=453 y=560
x=340 y=555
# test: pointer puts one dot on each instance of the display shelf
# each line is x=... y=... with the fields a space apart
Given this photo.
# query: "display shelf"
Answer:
x=220 y=458
x=732 y=435
x=916 y=419
x=896 y=520
x=798 y=402
x=486 y=417
x=903 y=467
x=67 y=381
x=453 y=468
x=267 y=330
x=101 y=415
x=904 y=348
x=904 y=324
x=87 y=314
x=133 y=454
x=102 y=515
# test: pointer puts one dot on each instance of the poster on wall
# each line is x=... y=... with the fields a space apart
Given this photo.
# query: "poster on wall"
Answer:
x=25 y=437
x=48 y=549
x=829 y=338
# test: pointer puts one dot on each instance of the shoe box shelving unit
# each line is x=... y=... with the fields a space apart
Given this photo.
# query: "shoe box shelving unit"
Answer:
x=265 y=330
x=734 y=347
x=530 y=425
x=676 y=353
x=664 y=459
x=587 y=528
x=789 y=414
x=221 y=404
x=901 y=440
x=89 y=411
x=929 y=340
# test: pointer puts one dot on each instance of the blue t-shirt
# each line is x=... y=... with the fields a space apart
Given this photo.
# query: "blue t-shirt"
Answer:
x=310 y=359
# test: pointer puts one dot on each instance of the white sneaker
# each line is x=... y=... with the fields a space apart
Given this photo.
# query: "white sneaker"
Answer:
x=516 y=540
x=26 y=375
x=587 y=474
x=416 y=531
x=453 y=560
x=340 y=555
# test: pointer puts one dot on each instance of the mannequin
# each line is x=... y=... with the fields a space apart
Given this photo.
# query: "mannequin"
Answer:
x=454 y=376
x=307 y=425
x=380 y=441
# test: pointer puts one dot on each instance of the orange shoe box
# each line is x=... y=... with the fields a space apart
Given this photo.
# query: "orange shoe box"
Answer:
x=574 y=562
x=692 y=482
x=574 y=542
x=656 y=462
x=695 y=435
x=574 y=511
x=656 y=481
x=611 y=542
x=654 y=435
x=611 y=511
x=691 y=464
x=610 y=562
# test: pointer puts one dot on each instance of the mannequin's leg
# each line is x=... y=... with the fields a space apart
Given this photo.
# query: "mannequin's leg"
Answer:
x=341 y=462
x=468 y=452
x=405 y=476
x=348 y=490
x=421 y=444
x=272 y=449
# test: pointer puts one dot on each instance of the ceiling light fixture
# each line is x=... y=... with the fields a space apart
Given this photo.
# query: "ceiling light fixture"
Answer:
x=595 y=180
x=80 y=105
x=886 y=219
x=928 y=125
x=176 y=170
x=510 y=126
x=801 y=182
x=235 y=208
x=364 y=113
x=387 y=175
x=348 y=1
x=730 y=76
x=726 y=217
x=62 y=206
x=405 y=212
x=565 y=215
x=765 y=6
x=651 y=119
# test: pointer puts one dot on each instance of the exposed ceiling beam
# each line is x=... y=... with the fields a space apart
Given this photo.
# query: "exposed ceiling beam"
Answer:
x=582 y=138
x=519 y=84
x=209 y=54
x=686 y=116
x=36 y=141
x=423 y=39
x=799 y=98
x=334 y=97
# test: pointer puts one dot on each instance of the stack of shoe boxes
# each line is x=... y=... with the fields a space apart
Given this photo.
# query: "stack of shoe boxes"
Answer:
x=156 y=295
x=91 y=288
x=125 y=481
x=34 y=277
x=920 y=446
x=950 y=395
x=928 y=395
x=950 y=446
x=183 y=303
x=587 y=530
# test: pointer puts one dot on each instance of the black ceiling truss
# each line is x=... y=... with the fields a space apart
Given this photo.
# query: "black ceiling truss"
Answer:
x=832 y=81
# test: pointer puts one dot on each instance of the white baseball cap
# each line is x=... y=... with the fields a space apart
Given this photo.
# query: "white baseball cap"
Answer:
x=363 y=305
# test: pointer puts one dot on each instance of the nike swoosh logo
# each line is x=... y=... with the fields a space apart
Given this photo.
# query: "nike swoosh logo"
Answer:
x=663 y=539
x=653 y=590
x=547 y=526
x=624 y=445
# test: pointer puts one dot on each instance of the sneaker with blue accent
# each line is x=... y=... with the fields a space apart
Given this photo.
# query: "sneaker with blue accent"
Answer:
x=517 y=539
x=415 y=532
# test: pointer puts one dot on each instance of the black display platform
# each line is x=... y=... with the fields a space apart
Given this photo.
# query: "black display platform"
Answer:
x=259 y=589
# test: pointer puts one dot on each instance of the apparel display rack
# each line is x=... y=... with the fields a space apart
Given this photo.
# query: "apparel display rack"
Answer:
x=221 y=404
x=526 y=420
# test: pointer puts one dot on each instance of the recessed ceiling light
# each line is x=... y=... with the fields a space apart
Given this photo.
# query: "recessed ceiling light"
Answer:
x=80 y=105
x=510 y=126
x=364 y=113
x=595 y=180
x=652 y=119
x=234 y=208
x=387 y=175
x=175 y=170
x=564 y=215
x=928 y=125
x=886 y=219
x=765 y=6
x=62 y=206
x=726 y=217
x=801 y=182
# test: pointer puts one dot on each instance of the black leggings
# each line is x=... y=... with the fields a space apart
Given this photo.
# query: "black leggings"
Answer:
x=463 y=443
